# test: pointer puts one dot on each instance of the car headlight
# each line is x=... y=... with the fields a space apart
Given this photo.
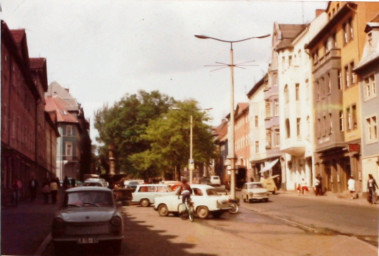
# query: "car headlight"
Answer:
x=116 y=225
x=58 y=227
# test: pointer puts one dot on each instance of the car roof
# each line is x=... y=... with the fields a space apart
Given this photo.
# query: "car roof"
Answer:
x=200 y=186
x=88 y=188
x=254 y=182
x=150 y=185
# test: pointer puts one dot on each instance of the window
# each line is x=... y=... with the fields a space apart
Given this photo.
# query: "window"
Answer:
x=369 y=87
x=256 y=121
x=353 y=77
x=268 y=139
x=339 y=79
x=276 y=108
x=257 y=146
x=347 y=77
x=69 y=130
x=298 y=125
x=349 y=119
x=330 y=123
x=308 y=128
x=341 y=121
x=348 y=31
x=371 y=129
x=288 y=128
x=268 y=108
x=354 y=116
x=289 y=61
x=68 y=149
x=286 y=94
x=276 y=140
x=329 y=84
x=297 y=92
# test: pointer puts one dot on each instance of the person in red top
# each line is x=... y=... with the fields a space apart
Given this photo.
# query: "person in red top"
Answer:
x=185 y=190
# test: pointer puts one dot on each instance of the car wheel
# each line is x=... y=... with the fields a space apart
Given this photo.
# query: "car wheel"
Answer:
x=202 y=212
x=162 y=210
x=145 y=202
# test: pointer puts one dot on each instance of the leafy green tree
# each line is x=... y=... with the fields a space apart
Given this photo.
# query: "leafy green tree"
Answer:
x=169 y=137
x=122 y=125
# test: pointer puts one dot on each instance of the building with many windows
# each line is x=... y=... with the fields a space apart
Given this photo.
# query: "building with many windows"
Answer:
x=368 y=73
x=335 y=51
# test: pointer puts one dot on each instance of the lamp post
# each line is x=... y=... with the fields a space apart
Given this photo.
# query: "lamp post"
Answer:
x=231 y=155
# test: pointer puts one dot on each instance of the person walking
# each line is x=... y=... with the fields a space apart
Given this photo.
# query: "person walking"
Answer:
x=372 y=186
x=16 y=187
x=66 y=183
x=33 y=185
x=317 y=183
x=46 y=191
x=54 y=191
x=351 y=187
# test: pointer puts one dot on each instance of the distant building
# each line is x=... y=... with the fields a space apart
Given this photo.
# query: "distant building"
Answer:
x=74 y=145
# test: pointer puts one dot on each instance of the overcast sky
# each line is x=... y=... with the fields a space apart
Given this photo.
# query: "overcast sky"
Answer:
x=104 y=49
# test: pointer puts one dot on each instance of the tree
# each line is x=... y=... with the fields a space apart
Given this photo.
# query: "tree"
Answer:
x=122 y=125
x=169 y=137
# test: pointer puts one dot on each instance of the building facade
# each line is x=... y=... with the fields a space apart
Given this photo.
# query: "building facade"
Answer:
x=368 y=73
x=335 y=52
x=23 y=119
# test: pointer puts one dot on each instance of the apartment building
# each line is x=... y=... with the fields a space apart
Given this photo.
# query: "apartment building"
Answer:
x=257 y=137
x=368 y=73
x=295 y=101
x=335 y=52
x=27 y=132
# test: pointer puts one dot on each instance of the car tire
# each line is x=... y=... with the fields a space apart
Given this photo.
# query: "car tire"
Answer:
x=202 y=212
x=163 y=210
x=145 y=202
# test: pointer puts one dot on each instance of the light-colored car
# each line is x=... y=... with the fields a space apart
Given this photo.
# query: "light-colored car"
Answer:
x=215 y=180
x=145 y=194
x=269 y=183
x=99 y=182
x=204 y=197
x=252 y=191
x=89 y=215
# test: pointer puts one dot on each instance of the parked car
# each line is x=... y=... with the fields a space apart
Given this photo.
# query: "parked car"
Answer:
x=89 y=215
x=269 y=183
x=215 y=180
x=145 y=194
x=205 y=198
x=252 y=191
x=99 y=182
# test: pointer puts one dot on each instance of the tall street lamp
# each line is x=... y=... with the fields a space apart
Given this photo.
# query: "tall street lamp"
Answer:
x=231 y=155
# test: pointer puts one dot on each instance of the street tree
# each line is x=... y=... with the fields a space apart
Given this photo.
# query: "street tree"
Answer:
x=169 y=138
x=122 y=124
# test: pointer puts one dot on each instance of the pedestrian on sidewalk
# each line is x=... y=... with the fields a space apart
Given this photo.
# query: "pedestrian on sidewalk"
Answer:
x=66 y=183
x=351 y=187
x=54 y=190
x=304 y=186
x=372 y=186
x=16 y=187
x=46 y=191
x=318 y=185
x=33 y=185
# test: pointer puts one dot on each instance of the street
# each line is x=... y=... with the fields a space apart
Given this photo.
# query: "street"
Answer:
x=287 y=225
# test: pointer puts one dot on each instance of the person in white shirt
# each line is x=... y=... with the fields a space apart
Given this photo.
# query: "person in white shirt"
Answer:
x=351 y=186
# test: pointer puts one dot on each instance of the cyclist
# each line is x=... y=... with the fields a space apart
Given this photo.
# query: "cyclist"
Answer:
x=185 y=190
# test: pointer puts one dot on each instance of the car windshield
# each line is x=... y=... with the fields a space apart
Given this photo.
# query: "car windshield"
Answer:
x=88 y=198
x=255 y=185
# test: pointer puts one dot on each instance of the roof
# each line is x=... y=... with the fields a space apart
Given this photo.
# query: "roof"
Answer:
x=58 y=105
x=88 y=188
x=55 y=89
x=288 y=33
x=370 y=54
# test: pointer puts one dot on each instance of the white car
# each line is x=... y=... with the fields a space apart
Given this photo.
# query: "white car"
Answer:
x=89 y=215
x=204 y=197
x=146 y=194
x=254 y=191
x=215 y=180
x=99 y=182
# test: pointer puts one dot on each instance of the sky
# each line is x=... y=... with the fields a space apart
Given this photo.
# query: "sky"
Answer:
x=103 y=50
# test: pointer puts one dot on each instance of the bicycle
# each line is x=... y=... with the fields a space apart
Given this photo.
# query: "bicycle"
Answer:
x=189 y=211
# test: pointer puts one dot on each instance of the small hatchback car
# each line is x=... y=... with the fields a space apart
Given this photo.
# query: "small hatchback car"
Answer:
x=254 y=191
x=89 y=215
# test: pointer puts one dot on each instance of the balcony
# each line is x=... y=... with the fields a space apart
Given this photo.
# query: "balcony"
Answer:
x=331 y=55
x=295 y=148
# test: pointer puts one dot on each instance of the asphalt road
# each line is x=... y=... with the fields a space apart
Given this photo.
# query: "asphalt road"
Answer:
x=323 y=216
x=248 y=232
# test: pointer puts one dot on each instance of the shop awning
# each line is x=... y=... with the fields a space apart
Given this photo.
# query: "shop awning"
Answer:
x=269 y=166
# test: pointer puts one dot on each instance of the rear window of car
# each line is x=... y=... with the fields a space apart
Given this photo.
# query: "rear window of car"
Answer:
x=88 y=198
x=255 y=185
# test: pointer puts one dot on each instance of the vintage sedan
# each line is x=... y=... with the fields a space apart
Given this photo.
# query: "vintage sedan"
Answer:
x=205 y=198
x=88 y=216
x=254 y=191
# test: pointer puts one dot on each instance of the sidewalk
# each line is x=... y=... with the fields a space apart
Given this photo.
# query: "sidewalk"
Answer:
x=330 y=197
x=25 y=228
